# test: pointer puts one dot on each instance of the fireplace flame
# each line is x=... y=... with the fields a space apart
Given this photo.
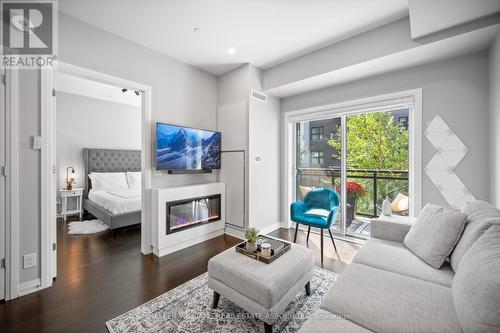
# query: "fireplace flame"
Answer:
x=177 y=222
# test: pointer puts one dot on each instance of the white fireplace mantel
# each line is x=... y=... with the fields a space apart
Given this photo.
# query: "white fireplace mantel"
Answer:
x=164 y=244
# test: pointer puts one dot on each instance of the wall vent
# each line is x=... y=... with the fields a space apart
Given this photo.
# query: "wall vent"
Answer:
x=259 y=96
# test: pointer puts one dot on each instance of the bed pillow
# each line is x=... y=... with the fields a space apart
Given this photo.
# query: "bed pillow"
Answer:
x=435 y=234
x=102 y=181
x=134 y=180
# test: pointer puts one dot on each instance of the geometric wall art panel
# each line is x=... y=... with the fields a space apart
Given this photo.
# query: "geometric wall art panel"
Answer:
x=450 y=150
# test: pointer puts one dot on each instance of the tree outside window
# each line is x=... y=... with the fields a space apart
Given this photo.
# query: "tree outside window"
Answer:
x=375 y=141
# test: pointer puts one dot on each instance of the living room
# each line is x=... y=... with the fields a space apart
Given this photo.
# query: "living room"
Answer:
x=330 y=168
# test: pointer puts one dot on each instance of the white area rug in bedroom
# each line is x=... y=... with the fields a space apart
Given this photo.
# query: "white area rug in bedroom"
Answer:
x=188 y=308
x=86 y=227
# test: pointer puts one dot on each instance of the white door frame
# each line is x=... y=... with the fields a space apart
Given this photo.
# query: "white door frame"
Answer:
x=3 y=182
x=48 y=260
x=12 y=183
x=347 y=108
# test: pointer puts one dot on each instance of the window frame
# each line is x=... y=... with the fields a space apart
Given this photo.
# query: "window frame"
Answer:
x=407 y=98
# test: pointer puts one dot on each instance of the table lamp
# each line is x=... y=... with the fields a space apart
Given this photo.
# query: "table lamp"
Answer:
x=70 y=178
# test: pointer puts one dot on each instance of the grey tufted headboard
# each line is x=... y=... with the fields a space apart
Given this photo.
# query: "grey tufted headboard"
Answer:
x=109 y=160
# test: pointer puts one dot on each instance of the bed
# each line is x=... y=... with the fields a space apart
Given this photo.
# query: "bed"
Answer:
x=116 y=208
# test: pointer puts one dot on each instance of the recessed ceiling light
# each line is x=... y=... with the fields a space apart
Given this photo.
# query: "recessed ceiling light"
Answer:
x=231 y=50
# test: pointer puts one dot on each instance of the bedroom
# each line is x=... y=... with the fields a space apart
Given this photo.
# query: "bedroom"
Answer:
x=98 y=164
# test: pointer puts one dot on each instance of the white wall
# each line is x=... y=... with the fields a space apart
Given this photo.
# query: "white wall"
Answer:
x=263 y=154
x=234 y=85
x=29 y=172
x=264 y=142
x=180 y=94
x=456 y=89
x=495 y=122
x=84 y=122
x=264 y=173
x=431 y=16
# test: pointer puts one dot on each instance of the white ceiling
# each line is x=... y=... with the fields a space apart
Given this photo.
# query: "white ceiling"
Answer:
x=78 y=86
x=264 y=32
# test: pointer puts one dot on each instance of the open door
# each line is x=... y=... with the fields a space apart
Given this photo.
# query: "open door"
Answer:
x=48 y=179
x=3 y=140
x=52 y=185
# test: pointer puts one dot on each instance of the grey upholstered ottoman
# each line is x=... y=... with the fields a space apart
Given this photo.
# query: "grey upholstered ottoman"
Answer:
x=264 y=290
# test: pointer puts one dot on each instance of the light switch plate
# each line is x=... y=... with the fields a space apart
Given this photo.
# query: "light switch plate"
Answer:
x=37 y=142
x=29 y=260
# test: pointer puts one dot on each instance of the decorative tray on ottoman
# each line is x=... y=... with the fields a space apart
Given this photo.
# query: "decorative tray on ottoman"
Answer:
x=278 y=248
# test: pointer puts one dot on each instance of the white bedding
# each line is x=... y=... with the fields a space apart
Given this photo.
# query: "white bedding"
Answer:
x=117 y=202
x=126 y=193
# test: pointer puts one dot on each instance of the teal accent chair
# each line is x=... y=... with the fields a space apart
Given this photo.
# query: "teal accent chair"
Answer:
x=318 y=209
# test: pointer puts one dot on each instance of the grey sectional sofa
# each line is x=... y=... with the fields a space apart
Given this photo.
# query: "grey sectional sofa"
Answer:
x=389 y=289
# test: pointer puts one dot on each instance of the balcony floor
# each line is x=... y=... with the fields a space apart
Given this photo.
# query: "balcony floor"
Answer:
x=359 y=227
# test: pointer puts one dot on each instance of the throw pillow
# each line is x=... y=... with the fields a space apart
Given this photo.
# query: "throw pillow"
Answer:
x=476 y=286
x=435 y=234
x=480 y=216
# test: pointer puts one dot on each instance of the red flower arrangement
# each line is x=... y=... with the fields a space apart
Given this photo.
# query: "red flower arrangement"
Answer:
x=354 y=190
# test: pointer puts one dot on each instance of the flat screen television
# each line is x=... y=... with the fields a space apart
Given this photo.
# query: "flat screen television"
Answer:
x=186 y=148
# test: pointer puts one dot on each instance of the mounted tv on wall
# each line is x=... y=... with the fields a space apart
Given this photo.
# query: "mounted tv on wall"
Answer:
x=185 y=148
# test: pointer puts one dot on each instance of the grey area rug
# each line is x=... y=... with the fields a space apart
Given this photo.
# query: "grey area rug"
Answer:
x=188 y=308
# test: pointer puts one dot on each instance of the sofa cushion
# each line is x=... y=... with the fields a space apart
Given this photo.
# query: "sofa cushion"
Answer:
x=324 y=321
x=263 y=283
x=396 y=258
x=383 y=301
x=476 y=287
x=480 y=216
x=391 y=229
x=435 y=234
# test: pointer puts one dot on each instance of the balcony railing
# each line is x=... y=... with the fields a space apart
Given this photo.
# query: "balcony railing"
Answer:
x=378 y=183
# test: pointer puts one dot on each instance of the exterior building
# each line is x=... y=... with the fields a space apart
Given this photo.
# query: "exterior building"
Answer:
x=313 y=149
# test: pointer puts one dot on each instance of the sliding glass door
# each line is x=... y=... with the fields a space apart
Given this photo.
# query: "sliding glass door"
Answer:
x=377 y=160
x=373 y=167
x=318 y=161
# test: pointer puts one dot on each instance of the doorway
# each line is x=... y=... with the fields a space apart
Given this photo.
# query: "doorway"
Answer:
x=54 y=178
x=3 y=184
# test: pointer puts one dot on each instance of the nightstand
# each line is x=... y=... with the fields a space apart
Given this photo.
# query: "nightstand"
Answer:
x=74 y=193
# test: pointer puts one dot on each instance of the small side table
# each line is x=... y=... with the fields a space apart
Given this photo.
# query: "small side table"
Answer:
x=74 y=193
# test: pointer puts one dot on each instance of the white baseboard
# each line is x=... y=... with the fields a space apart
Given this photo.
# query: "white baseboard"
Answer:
x=29 y=287
x=270 y=228
x=240 y=233
x=235 y=231
x=182 y=245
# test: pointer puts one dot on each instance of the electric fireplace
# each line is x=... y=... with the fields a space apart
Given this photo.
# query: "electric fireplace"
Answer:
x=188 y=213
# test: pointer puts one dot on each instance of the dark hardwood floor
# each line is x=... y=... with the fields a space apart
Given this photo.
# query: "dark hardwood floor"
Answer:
x=100 y=277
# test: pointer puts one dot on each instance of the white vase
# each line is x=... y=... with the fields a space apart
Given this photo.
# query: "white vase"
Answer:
x=251 y=246
x=386 y=207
